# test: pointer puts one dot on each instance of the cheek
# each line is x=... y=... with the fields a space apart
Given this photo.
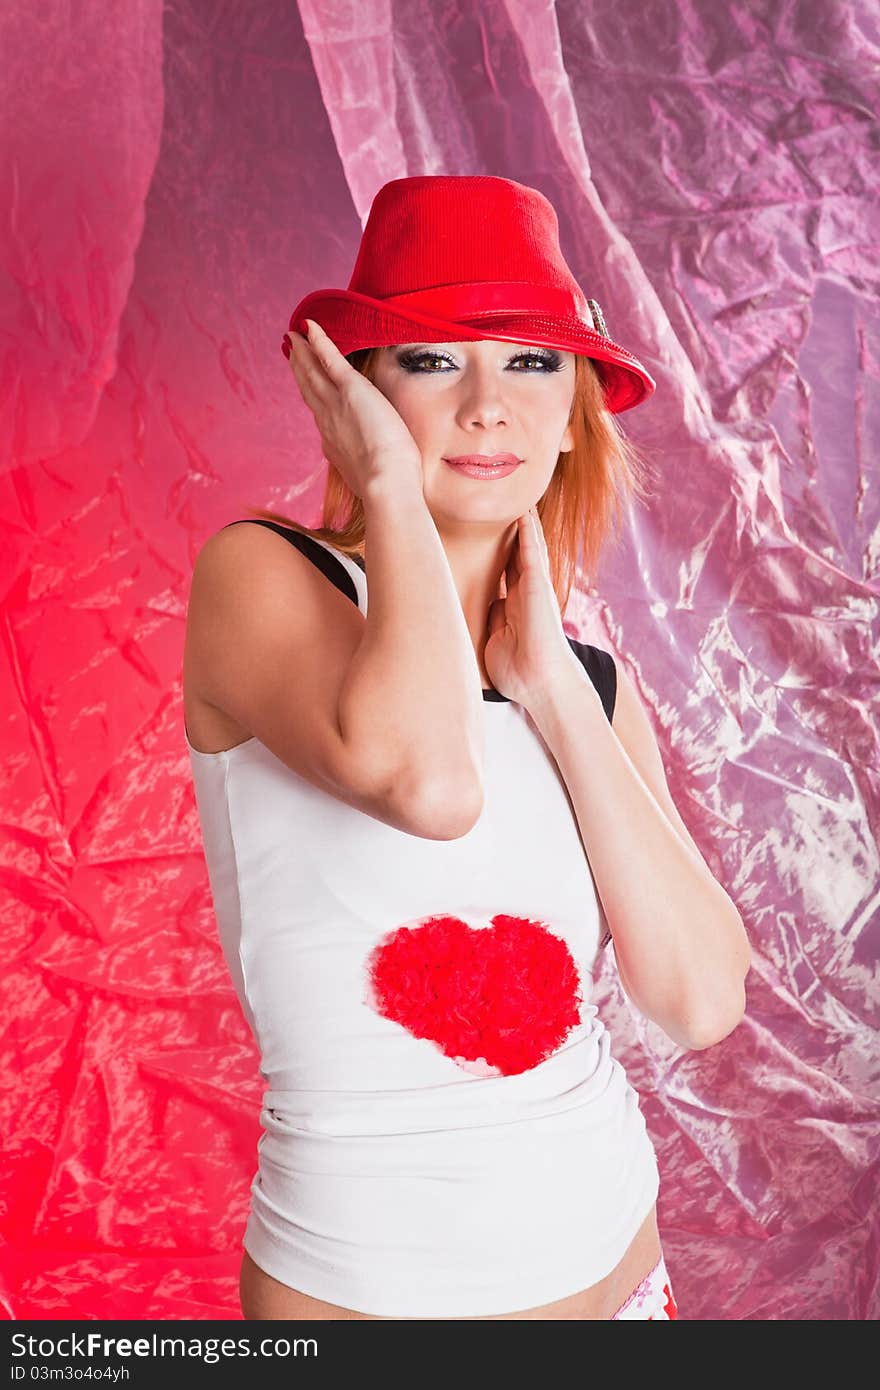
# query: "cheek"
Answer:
x=422 y=417
x=549 y=424
x=549 y=407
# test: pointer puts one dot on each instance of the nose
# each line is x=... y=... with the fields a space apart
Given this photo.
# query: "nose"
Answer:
x=482 y=400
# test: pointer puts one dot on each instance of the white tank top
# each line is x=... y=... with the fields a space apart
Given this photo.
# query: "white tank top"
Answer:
x=446 y=1132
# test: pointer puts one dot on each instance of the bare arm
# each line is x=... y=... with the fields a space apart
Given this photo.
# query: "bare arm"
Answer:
x=681 y=948
x=413 y=685
x=272 y=643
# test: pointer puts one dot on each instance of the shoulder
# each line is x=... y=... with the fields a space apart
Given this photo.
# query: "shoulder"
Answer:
x=273 y=574
x=250 y=534
x=237 y=540
x=247 y=547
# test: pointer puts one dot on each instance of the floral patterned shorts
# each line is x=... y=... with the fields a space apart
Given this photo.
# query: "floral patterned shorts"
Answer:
x=652 y=1298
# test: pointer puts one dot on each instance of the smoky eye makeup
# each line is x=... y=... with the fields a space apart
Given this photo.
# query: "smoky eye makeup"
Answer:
x=433 y=361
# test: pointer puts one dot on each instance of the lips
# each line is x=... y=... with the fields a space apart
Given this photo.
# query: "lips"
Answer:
x=483 y=460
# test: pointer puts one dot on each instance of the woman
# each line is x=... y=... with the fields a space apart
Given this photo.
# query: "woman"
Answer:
x=419 y=815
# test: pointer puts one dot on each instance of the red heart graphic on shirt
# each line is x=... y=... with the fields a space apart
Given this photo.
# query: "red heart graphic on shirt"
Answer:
x=502 y=997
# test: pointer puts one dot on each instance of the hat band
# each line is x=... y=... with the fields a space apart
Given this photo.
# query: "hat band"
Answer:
x=494 y=296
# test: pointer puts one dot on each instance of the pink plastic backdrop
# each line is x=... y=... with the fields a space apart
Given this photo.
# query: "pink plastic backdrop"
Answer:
x=174 y=178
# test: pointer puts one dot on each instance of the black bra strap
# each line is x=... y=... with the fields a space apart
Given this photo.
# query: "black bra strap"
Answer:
x=326 y=562
x=599 y=666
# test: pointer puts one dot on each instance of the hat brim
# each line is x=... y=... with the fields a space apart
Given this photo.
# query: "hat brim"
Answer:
x=354 y=321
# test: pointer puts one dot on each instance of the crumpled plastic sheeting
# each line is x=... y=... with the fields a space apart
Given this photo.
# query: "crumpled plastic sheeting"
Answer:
x=174 y=180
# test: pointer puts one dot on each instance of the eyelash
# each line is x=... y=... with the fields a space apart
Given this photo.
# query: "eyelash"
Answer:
x=549 y=362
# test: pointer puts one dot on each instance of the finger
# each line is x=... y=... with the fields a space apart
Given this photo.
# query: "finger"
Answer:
x=327 y=353
x=513 y=568
x=317 y=335
x=300 y=375
x=307 y=369
x=323 y=369
x=287 y=342
x=539 y=527
x=303 y=352
x=294 y=354
x=531 y=557
x=539 y=531
x=298 y=349
x=540 y=541
x=528 y=544
x=496 y=616
x=518 y=559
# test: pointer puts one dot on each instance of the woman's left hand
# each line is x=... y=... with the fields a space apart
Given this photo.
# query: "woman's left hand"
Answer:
x=527 y=650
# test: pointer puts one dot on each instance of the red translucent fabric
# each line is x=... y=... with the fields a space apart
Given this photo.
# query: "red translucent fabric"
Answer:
x=174 y=179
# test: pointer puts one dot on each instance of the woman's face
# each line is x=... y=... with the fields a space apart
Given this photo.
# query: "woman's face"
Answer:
x=482 y=398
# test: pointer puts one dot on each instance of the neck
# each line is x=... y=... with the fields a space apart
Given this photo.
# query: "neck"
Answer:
x=477 y=564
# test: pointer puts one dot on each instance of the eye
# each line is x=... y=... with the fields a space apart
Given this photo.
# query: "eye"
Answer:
x=540 y=361
x=415 y=361
x=548 y=361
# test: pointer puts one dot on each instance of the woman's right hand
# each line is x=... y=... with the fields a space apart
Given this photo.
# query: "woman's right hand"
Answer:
x=362 y=435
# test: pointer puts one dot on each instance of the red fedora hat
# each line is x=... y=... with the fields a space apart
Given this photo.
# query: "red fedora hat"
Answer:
x=468 y=258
